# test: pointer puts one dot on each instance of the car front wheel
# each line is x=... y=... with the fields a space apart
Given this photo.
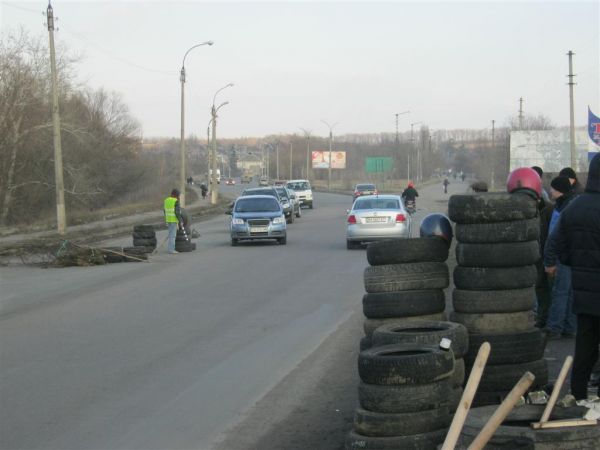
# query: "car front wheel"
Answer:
x=283 y=241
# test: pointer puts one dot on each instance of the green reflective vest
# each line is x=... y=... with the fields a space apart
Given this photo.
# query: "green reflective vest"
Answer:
x=170 y=216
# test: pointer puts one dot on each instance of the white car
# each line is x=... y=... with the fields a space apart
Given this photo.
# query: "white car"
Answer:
x=376 y=217
x=303 y=191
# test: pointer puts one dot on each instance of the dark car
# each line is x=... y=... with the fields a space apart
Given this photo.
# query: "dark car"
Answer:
x=284 y=200
x=290 y=196
x=364 y=189
x=257 y=217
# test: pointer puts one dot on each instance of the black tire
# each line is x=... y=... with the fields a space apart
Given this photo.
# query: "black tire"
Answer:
x=406 y=277
x=458 y=376
x=299 y=212
x=490 y=233
x=310 y=206
x=454 y=399
x=234 y=242
x=503 y=377
x=144 y=242
x=508 y=348
x=506 y=254
x=370 y=325
x=495 y=322
x=425 y=441
x=405 y=398
x=282 y=241
x=144 y=234
x=398 y=251
x=111 y=257
x=369 y=423
x=183 y=247
x=504 y=301
x=423 y=333
x=384 y=305
x=365 y=343
x=143 y=228
x=496 y=278
x=404 y=364
x=290 y=218
x=509 y=436
x=487 y=398
x=491 y=207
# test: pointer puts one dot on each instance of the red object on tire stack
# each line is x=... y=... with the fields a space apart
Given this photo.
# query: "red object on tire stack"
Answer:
x=494 y=294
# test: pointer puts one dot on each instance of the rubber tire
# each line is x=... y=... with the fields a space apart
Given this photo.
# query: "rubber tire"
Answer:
x=399 y=251
x=290 y=219
x=495 y=278
x=143 y=228
x=369 y=423
x=111 y=257
x=365 y=343
x=384 y=305
x=495 y=322
x=310 y=206
x=454 y=399
x=491 y=207
x=144 y=235
x=370 y=325
x=508 y=348
x=405 y=398
x=458 y=376
x=404 y=364
x=503 y=377
x=504 y=301
x=234 y=242
x=425 y=441
x=497 y=232
x=510 y=437
x=144 y=242
x=406 y=277
x=183 y=247
x=506 y=254
x=299 y=212
x=423 y=333
x=282 y=241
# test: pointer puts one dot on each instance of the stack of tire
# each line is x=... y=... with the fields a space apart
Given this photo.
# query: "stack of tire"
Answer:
x=494 y=280
x=144 y=236
x=183 y=239
x=405 y=280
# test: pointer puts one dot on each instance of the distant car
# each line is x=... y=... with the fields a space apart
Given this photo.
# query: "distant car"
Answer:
x=290 y=197
x=279 y=183
x=246 y=179
x=303 y=191
x=283 y=199
x=364 y=189
x=263 y=181
x=257 y=217
x=230 y=182
x=374 y=218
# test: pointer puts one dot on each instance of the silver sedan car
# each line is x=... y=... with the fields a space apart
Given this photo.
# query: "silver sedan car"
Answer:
x=377 y=217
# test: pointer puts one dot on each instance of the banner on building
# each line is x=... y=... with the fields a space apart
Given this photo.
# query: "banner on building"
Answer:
x=593 y=126
x=320 y=160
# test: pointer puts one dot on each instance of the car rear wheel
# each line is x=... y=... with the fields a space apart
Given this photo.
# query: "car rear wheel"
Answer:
x=234 y=242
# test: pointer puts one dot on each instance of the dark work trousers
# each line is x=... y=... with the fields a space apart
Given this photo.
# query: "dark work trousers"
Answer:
x=586 y=354
x=543 y=290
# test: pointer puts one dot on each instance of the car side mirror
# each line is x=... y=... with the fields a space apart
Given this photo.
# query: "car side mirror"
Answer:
x=347 y=211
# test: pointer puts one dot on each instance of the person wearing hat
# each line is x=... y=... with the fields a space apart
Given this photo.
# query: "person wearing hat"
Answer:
x=479 y=186
x=545 y=199
x=410 y=193
x=173 y=218
x=560 y=320
x=576 y=239
x=570 y=173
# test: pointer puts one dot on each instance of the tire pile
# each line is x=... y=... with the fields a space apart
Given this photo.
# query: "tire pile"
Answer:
x=494 y=294
x=183 y=240
x=409 y=386
x=144 y=238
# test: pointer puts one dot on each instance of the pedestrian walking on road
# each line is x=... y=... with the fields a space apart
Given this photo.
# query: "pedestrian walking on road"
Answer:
x=558 y=313
x=173 y=218
x=577 y=241
x=445 y=184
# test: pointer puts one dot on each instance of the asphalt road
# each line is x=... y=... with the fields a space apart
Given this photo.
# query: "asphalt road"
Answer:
x=222 y=348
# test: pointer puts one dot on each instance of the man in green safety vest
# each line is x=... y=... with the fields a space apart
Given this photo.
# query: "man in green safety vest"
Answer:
x=173 y=218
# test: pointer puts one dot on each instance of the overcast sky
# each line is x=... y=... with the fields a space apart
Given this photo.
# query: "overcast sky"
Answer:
x=453 y=65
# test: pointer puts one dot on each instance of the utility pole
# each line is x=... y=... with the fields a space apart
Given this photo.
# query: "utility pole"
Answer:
x=307 y=134
x=493 y=148
x=397 y=140
x=61 y=216
x=277 y=159
x=412 y=147
x=214 y=189
x=572 y=113
x=208 y=159
x=330 y=150
x=521 y=113
x=291 y=177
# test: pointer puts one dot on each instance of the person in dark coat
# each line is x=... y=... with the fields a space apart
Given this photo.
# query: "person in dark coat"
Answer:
x=570 y=173
x=577 y=239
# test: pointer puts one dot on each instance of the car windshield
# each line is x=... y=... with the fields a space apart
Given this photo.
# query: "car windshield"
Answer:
x=300 y=186
x=256 y=205
x=377 y=203
x=365 y=187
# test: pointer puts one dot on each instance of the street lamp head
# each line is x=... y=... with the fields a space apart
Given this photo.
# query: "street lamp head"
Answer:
x=209 y=42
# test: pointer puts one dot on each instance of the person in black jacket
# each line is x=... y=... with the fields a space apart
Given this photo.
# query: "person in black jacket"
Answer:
x=577 y=239
x=570 y=173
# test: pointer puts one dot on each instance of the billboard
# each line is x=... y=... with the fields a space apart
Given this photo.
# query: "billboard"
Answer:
x=320 y=160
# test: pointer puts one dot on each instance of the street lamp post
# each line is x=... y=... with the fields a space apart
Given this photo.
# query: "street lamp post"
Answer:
x=208 y=158
x=399 y=114
x=412 y=145
x=307 y=135
x=330 y=149
x=214 y=189
x=182 y=143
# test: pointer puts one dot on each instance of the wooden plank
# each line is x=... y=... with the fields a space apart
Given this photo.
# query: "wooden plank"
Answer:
x=563 y=423
x=557 y=387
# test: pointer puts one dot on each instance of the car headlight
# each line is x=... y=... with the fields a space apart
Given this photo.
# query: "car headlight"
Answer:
x=285 y=204
x=280 y=219
x=237 y=221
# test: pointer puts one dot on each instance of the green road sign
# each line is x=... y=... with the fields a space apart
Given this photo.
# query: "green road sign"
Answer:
x=379 y=164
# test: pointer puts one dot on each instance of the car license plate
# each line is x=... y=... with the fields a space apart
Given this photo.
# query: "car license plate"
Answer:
x=375 y=219
x=258 y=229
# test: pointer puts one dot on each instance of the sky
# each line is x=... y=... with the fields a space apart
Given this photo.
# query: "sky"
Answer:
x=293 y=64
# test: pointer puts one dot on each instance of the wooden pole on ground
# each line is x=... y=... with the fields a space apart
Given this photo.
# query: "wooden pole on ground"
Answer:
x=557 y=387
